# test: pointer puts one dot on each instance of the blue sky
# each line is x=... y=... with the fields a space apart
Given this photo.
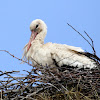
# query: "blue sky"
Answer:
x=16 y=16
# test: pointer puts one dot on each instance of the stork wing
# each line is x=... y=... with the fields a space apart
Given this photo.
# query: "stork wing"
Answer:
x=69 y=55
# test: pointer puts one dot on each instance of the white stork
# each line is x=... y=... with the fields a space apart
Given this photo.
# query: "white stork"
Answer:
x=47 y=54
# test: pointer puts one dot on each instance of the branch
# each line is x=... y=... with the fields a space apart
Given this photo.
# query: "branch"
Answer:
x=16 y=57
x=92 y=45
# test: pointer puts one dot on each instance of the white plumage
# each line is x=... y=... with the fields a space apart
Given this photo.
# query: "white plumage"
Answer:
x=45 y=54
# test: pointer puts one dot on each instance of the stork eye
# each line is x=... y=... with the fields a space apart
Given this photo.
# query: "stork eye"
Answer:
x=37 y=26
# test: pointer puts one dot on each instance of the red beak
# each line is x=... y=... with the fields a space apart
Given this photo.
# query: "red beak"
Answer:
x=33 y=35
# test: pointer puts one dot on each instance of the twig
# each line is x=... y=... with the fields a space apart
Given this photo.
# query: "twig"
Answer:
x=1 y=94
x=16 y=57
x=92 y=45
x=92 y=42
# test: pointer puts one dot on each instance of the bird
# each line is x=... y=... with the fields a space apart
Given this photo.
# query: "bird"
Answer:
x=52 y=54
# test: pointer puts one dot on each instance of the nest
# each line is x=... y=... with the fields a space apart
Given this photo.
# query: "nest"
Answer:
x=43 y=83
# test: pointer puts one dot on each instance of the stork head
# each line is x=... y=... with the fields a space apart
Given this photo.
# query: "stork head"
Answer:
x=37 y=27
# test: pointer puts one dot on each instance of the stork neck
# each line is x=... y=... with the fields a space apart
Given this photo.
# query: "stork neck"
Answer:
x=40 y=37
